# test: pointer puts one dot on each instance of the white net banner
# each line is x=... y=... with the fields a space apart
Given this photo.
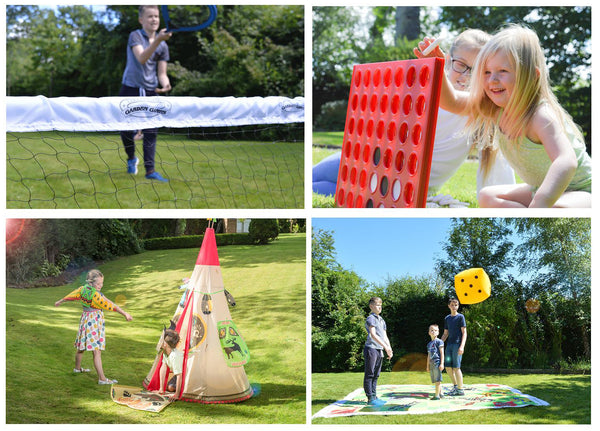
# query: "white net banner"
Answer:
x=80 y=114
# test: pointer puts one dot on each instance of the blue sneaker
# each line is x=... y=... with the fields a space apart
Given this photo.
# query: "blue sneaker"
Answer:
x=156 y=176
x=452 y=391
x=132 y=166
x=376 y=402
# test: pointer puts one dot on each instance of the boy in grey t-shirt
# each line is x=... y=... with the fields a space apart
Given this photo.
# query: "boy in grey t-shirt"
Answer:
x=146 y=69
x=377 y=342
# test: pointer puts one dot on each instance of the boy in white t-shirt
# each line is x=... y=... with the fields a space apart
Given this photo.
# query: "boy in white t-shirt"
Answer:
x=172 y=359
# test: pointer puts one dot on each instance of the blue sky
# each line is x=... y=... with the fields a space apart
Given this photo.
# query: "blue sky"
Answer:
x=376 y=248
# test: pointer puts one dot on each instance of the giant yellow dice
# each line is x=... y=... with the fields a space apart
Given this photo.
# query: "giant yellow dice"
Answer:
x=472 y=286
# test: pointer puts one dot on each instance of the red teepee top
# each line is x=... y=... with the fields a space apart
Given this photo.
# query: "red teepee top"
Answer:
x=208 y=252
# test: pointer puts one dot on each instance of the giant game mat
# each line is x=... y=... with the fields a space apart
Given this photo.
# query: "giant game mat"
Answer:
x=415 y=399
x=139 y=398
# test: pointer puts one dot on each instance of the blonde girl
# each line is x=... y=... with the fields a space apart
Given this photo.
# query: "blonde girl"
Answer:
x=91 y=326
x=510 y=94
x=452 y=141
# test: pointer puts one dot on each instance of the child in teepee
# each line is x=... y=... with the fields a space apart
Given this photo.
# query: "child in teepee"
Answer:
x=173 y=360
x=91 y=327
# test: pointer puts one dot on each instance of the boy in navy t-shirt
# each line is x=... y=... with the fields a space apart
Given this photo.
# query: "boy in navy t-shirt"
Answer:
x=435 y=360
x=454 y=337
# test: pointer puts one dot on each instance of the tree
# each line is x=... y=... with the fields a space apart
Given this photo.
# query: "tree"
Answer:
x=343 y=37
x=557 y=27
x=557 y=252
x=48 y=246
x=72 y=51
x=476 y=243
x=410 y=305
x=338 y=298
x=336 y=42
x=249 y=51
x=51 y=42
x=408 y=23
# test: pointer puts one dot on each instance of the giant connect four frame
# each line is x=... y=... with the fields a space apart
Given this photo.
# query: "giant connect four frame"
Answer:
x=389 y=134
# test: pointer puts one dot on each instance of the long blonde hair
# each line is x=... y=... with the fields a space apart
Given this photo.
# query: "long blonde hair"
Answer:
x=532 y=86
x=477 y=39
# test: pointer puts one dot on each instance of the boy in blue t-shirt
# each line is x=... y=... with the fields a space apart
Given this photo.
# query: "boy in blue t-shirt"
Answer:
x=435 y=360
x=146 y=69
x=377 y=342
x=454 y=337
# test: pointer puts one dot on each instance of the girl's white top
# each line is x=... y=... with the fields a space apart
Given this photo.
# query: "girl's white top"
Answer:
x=450 y=150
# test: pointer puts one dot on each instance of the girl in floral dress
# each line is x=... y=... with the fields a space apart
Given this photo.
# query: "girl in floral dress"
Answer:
x=91 y=326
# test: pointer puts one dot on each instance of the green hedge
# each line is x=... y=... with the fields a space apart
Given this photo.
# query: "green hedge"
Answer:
x=191 y=241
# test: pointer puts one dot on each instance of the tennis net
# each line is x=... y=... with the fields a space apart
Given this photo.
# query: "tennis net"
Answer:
x=216 y=152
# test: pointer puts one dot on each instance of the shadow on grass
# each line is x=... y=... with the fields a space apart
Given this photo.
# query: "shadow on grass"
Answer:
x=569 y=399
x=249 y=411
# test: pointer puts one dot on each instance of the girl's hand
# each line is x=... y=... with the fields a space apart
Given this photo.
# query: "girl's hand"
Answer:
x=424 y=50
x=57 y=303
x=128 y=316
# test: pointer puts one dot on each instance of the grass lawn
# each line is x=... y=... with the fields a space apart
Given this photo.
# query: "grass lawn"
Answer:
x=461 y=186
x=88 y=170
x=569 y=397
x=269 y=285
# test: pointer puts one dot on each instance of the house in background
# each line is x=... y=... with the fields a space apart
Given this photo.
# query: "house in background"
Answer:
x=236 y=225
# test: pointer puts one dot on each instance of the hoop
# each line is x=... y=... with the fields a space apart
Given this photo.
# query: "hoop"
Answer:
x=211 y=18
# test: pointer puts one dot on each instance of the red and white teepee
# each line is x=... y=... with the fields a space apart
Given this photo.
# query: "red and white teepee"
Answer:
x=214 y=351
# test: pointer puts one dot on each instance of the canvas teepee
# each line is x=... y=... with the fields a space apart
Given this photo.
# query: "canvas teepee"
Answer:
x=214 y=351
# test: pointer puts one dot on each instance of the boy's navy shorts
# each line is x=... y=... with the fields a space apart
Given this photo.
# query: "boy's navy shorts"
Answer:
x=451 y=357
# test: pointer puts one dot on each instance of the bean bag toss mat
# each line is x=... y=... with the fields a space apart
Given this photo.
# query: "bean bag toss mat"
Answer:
x=415 y=399
x=139 y=398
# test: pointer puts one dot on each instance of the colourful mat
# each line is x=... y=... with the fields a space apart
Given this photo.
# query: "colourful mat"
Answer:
x=139 y=398
x=415 y=399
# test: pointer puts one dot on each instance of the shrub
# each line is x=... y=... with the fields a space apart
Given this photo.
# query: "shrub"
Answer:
x=262 y=231
x=195 y=241
x=332 y=116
